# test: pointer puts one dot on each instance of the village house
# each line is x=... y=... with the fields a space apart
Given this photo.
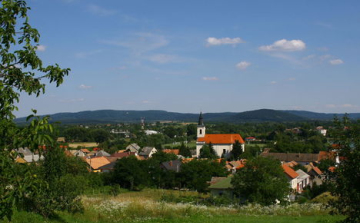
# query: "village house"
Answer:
x=147 y=152
x=222 y=143
x=133 y=148
x=303 y=180
x=28 y=156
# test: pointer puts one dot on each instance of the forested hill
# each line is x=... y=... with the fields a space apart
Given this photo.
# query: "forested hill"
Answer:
x=118 y=116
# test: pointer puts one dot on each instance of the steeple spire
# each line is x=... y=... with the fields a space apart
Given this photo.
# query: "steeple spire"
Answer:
x=201 y=121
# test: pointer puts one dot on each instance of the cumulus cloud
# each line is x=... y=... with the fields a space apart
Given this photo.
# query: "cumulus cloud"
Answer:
x=336 y=62
x=97 y=10
x=83 y=86
x=210 y=78
x=243 y=65
x=284 y=45
x=41 y=48
x=212 y=41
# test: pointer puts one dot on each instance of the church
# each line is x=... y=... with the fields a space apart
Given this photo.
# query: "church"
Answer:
x=222 y=143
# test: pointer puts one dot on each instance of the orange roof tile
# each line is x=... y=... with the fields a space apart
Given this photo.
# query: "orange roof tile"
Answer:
x=97 y=162
x=221 y=138
x=326 y=155
x=20 y=160
x=186 y=160
x=174 y=151
x=290 y=172
x=332 y=169
x=85 y=150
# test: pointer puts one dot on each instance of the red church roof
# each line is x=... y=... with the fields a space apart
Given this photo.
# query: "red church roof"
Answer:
x=221 y=138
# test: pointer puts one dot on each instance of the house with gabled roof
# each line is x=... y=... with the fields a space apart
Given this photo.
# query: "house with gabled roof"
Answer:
x=316 y=175
x=133 y=148
x=172 y=165
x=291 y=176
x=96 y=162
x=147 y=152
x=222 y=143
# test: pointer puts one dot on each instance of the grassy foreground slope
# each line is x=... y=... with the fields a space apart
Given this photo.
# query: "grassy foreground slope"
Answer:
x=148 y=206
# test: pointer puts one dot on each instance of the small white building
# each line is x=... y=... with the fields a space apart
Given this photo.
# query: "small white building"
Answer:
x=321 y=130
x=302 y=180
x=222 y=143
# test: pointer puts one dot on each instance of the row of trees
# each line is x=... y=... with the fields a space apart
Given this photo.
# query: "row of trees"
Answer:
x=136 y=174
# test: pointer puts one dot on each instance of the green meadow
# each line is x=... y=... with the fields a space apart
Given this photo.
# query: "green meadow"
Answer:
x=148 y=206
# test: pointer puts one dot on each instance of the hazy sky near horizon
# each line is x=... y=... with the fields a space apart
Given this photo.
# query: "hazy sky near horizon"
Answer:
x=192 y=56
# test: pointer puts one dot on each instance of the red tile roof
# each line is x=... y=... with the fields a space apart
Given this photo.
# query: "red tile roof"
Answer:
x=221 y=138
x=85 y=150
x=174 y=151
x=323 y=155
x=290 y=172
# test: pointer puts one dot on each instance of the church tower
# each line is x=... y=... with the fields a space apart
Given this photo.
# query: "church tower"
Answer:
x=201 y=127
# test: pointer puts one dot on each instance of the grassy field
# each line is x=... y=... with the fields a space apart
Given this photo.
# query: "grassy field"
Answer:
x=146 y=206
x=83 y=144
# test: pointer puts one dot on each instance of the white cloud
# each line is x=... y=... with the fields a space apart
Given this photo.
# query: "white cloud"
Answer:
x=273 y=82
x=97 y=10
x=243 y=65
x=336 y=62
x=212 y=41
x=41 y=48
x=292 y=79
x=146 y=102
x=210 y=78
x=83 y=86
x=284 y=45
x=164 y=58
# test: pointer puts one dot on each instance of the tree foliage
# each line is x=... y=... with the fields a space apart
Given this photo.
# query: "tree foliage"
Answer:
x=207 y=151
x=236 y=151
x=346 y=136
x=196 y=173
x=262 y=181
x=21 y=71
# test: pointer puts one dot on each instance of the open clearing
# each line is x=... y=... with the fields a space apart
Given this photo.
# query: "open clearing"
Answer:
x=83 y=144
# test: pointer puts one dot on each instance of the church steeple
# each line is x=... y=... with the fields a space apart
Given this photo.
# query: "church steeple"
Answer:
x=201 y=127
x=201 y=121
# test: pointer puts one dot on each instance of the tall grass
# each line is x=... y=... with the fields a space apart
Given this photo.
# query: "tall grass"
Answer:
x=147 y=206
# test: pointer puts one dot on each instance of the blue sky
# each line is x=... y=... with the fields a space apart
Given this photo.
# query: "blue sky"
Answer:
x=192 y=56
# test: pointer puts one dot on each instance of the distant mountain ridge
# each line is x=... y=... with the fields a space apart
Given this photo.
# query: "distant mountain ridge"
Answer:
x=119 y=116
